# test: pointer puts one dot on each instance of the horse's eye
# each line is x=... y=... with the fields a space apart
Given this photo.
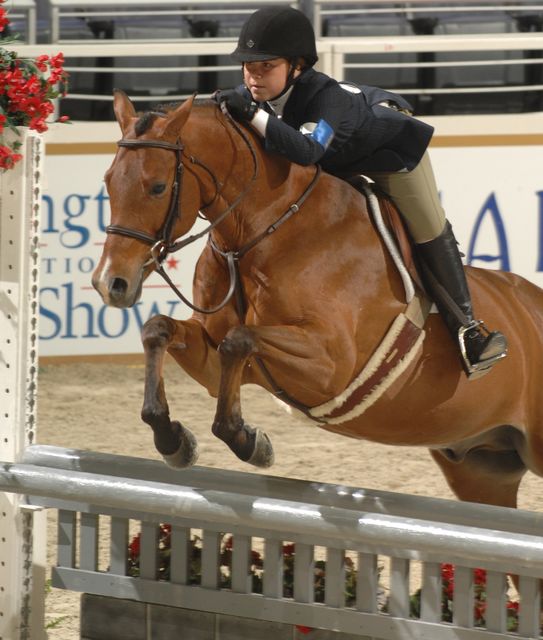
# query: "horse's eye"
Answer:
x=158 y=188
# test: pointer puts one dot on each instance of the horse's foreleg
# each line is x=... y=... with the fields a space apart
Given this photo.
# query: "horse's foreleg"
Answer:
x=174 y=441
x=250 y=445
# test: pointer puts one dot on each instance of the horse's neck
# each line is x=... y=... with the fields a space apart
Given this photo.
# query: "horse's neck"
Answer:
x=259 y=186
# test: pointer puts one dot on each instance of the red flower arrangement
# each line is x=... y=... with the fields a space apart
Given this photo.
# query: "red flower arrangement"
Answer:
x=479 y=606
x=289 y=555
x=255 y=570
x=27 y=90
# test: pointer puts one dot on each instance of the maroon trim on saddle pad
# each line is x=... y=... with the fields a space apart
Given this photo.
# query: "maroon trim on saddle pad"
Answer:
x=401 y=346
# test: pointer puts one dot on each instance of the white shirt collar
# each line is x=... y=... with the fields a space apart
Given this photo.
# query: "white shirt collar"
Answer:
x=278 y=104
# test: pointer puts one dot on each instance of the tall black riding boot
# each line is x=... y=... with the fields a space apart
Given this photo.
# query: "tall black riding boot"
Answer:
x=442 y=265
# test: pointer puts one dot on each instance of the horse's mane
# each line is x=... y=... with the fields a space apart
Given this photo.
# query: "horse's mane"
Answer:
x=146 y=119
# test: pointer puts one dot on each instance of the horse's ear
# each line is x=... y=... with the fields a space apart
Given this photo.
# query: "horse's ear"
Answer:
x=177 y=118
x=123 y=108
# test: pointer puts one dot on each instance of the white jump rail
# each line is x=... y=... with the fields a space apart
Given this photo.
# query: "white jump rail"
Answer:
x=87 y=486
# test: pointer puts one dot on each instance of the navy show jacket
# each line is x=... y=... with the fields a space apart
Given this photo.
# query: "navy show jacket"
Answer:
x=367 y=135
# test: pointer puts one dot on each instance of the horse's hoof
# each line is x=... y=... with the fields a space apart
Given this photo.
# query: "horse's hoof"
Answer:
x=263 y=455
x=188 y=452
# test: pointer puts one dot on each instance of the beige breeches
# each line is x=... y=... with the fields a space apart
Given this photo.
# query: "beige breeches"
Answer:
x=416 y=196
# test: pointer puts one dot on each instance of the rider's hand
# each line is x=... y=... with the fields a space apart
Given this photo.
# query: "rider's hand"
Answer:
x=239 y=107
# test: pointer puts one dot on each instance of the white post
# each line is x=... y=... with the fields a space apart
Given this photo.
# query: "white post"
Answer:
x=22 y=530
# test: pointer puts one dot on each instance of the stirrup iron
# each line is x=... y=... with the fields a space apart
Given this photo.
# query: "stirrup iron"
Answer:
x=477 y=369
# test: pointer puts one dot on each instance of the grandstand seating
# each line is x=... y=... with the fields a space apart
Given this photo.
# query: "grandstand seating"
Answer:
x=138 y=21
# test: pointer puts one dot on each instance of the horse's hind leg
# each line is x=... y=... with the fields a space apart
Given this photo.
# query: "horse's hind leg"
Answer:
x=174 y=441
x=249 y=444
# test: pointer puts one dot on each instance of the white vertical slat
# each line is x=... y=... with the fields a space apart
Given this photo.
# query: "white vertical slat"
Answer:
x=241 y=557
x=273 y=569
x=211 y=547
x=66 y=538
x=399 y=587
x=530 y=607
x=496 y=595
x=304 y=579
x=180 y=558
x=463 y=597
x=88 y=550
x=149 y=550
x=118 y=546
x=430 y=601
x=334 y=589
x=367 y=583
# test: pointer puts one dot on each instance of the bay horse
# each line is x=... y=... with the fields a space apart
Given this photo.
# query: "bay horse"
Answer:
x=293 y=291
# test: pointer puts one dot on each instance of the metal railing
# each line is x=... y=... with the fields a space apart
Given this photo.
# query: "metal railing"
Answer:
x=23 y=13
x=164 y=15
x=423 y=17
x=89 y=487
x=504 y=69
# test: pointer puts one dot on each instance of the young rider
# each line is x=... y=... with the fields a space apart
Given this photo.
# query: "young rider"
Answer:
x=310 y=118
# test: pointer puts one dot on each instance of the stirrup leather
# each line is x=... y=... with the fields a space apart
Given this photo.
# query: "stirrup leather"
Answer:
x=477 y=369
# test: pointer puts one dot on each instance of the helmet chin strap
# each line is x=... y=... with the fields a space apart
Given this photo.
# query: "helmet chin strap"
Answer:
x=291 y=79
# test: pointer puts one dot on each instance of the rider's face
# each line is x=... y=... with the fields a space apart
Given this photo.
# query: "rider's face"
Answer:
x=265 y=80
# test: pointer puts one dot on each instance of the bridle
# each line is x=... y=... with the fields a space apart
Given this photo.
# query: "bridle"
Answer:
x=163 y=244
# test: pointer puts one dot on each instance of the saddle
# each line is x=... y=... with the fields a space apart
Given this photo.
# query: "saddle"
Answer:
x=394 y=225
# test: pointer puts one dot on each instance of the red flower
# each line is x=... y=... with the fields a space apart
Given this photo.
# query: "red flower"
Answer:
x=479 y=576
x=27 y=90
x=134 y=547
x=8 y=158
x=479 y=610
x=3 y=19
x=303 y=629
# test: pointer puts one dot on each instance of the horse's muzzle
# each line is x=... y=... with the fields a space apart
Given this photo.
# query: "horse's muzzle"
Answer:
x=116 y=291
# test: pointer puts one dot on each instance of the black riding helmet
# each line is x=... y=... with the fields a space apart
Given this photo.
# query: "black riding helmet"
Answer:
x=276 y=32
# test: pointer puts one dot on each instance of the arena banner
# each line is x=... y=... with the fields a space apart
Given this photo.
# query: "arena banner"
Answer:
x=492 y=194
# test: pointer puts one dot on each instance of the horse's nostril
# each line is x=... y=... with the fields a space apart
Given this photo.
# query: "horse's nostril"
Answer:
x=118 y=287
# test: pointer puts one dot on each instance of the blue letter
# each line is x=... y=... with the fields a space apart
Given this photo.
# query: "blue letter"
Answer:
x=71 y=308
x=154 y=311
x=48 y=213
x=82 y=232
x=46 y=313
x=100 y=199
x=490 y=207
x=102 y=324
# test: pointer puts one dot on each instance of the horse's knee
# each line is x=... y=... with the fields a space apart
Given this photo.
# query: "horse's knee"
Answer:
x=239 y=342
x=157 y=331
x=156 y=414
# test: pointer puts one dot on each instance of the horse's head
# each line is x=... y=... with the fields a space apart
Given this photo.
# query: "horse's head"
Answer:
x=153 y=200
